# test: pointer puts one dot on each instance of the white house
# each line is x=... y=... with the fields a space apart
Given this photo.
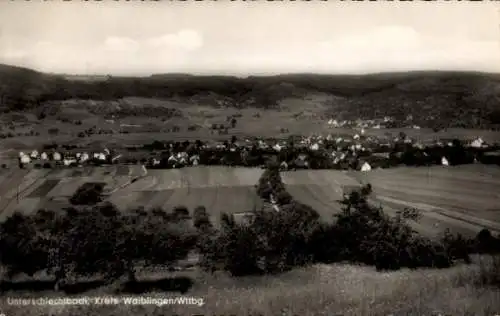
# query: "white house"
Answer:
x=284 y=165
x=25 y=159
x=34 y=154
x=172 y=159
x=84 y=157
x=101 y=156
x=444 y=161
x=366 y=167
x=315 y=146
x=183 y=157
x=195 y=160
x=44 y=156
x=356 y=136
x=277 y=147
x=68 y=162
x=57 y=156
x=477 y=143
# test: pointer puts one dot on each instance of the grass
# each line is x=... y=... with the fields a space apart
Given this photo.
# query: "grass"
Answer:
x=461 y=198
x=338 y=289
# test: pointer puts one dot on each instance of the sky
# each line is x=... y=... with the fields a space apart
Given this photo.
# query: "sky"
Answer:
x=249 y=38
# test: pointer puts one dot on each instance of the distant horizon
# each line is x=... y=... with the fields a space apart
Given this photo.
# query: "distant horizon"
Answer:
x=255 y=75
x=248 y=38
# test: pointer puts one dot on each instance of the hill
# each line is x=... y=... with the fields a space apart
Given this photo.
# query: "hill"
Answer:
x=434 y=99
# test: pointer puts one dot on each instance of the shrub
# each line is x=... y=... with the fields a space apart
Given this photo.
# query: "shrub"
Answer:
x=180 y=212
x=88 y=194
x=201 y=220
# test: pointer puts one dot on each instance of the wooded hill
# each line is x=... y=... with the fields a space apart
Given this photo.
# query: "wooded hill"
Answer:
x=434 y=99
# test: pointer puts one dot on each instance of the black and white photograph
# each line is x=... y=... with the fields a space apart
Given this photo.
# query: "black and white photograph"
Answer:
x=261 y=158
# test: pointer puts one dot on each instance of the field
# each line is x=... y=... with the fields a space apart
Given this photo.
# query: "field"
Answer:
x=463 y=198
x=299 y=116
x=219 y=189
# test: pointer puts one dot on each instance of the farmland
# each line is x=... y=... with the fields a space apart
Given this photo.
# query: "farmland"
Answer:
x=219 y=189
x=464 y=198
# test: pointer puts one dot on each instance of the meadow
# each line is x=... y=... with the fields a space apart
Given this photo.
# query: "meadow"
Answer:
x=463 y=198
x=292 y=116
x=338 y=289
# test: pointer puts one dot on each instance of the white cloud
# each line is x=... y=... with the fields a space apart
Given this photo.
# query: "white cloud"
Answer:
x=121 y=44
x=188 y=40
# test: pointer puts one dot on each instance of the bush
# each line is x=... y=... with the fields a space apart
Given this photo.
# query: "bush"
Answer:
x=88 y=194
x=201 y=220
x=180 y=212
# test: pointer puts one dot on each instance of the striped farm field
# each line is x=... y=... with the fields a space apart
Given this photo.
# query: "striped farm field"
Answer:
x=219 y=189
x=462 y=198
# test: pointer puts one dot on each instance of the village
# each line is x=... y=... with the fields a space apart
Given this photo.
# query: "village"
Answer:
x=357 y=152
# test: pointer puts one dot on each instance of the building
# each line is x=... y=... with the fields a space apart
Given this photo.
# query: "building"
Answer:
x=444 y=161
x=366 y=167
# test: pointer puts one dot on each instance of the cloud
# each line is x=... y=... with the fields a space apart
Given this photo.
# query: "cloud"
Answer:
x=402 y=48
x=188 y=40
x=14 y=54
x=121 y=44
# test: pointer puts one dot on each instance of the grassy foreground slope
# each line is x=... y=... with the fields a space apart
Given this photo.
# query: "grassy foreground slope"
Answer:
x=317 y=290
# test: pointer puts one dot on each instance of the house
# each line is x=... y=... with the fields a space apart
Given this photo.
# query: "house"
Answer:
x=315 y=146
x=69 y=161
x=284 y=165
x=34 y=154
x=366 y=167
x=195 y=160
x=44 y=156
x=84 y=157
x=155 y=162
x=172 y=159
x=444 y=161
x=477 y=143
x=356 y=136
x=182 y=158
x=56 y=156
x=25 y=159
x=301 y=161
